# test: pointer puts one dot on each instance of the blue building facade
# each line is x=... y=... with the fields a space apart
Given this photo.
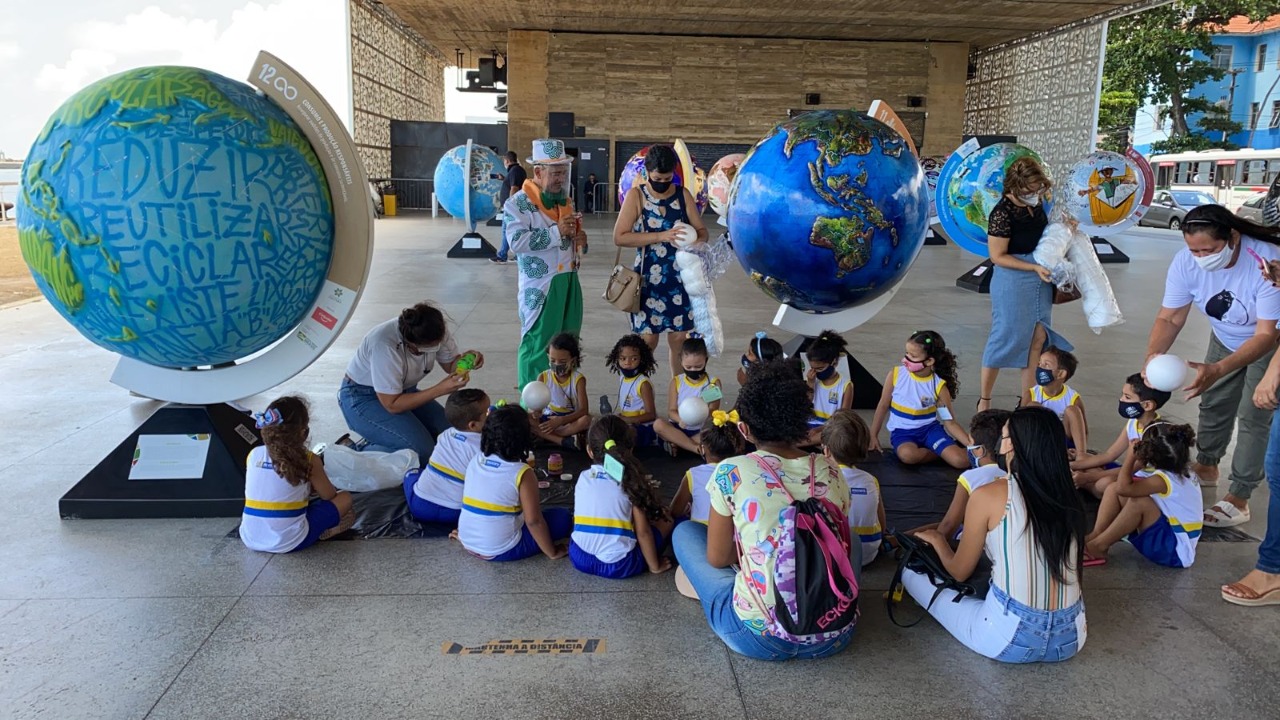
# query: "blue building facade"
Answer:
x=1250 y=53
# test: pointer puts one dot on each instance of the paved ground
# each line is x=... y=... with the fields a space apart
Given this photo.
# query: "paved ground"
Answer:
x=170 y=619
x=16 y=284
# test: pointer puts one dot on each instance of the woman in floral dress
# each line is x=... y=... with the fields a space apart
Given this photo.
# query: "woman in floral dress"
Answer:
x=649 y=212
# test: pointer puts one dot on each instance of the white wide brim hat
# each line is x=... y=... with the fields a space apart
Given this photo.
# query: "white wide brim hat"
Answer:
x=549 y=152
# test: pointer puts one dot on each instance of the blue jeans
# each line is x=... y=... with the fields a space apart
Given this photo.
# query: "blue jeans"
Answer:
x=1000 y=627
x=715 y=591
x=559 y=524
x=386 y=431
x=1269 y=551
x=506 y=247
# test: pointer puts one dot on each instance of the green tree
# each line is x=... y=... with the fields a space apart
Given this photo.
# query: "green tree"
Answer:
x=1115 y=119
x=1150 y=55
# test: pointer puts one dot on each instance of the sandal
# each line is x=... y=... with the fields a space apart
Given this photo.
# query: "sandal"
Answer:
x=1094 y=560
x=1224 y=515
x=1241 y=594
x=979 y=403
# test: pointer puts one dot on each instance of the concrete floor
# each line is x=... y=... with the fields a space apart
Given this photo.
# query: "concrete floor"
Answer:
x=170 y=619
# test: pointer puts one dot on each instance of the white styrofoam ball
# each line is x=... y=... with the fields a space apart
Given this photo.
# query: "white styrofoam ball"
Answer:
x=693 y=411
x=1167 y=372
x=535 y=397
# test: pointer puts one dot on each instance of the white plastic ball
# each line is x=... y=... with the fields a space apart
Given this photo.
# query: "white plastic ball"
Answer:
x=688 y=234
x=1167 y=372
x=693 y=411
x=535 y=397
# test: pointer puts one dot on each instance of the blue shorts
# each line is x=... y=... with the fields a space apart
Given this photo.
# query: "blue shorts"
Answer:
x=1158 y=543
x=559 y=523
x=932 y=436
x=425 y=510
x=633 y=564
x=322 y=516
x=645 y=436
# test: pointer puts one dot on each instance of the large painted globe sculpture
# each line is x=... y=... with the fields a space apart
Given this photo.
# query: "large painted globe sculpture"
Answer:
x=1104 y=192
x=634 y=171
x=828 y=211
x=451 y=181
x=175 y=216
x=720 y=181
x=970 y=185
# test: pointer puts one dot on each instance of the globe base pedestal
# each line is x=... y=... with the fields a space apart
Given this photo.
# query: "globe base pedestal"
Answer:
x=107 y=492
x=934 y=236
x=867 y=388
x=472 y=245
x=1108 y=253
x=494 y=222
x=978 y=279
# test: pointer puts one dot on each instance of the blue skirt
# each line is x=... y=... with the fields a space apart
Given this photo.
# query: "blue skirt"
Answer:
x=1019 y=301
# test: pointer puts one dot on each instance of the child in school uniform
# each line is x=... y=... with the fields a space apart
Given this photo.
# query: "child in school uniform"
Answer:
x=845 y=438
x=632 y=361
x=985 y=431
x=434 y=493
x=719 y=441
x=1056 y=367
x=761 y=349
x=831 y=392
x=917 y=404
x=281 y=475
x=566 y=419
x=1140 y=407
x=694 y=382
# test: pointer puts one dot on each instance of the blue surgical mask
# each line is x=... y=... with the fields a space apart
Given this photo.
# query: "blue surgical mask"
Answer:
x=1131 y=410
x=972 y=450
x=1044 y=377
x=827 y=374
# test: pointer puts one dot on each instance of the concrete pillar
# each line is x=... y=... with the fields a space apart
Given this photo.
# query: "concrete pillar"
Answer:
x=949 y=64
x=527 y=97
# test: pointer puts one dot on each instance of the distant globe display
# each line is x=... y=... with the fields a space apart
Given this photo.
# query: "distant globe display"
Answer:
x=970 y=185
x=720 y=180
x=1103 y=192
x=175 y=216
x=829 y=211
x=486 y=182
x=634 y=171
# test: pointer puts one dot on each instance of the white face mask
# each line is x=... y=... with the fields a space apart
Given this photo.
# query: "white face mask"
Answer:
x=1216 y=261
x=1031 y=200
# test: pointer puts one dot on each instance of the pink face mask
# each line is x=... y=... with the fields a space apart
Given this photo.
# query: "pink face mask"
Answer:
x=912 y=365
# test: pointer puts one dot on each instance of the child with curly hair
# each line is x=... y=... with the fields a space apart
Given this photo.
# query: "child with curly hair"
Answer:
x=567 y=416
x=632 y=361
x=619 y=523
x=280 y=477
x=917 y=403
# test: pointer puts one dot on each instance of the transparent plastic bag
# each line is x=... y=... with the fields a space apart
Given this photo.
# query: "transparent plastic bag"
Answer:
x=369 y=470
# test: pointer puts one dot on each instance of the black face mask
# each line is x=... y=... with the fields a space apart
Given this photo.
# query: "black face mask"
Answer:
x=1002 y=462
x=660 y=187
x=695 y=375
x=630 y=372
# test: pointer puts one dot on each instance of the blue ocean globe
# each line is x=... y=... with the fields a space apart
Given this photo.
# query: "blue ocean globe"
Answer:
x=451 y=181
x=828 y=211
x=970 y=185
x=175 y=216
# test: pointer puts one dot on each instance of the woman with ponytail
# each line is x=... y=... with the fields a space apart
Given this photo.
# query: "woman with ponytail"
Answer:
x=1031 y=525
x=280 y=477
x=380 y=398
x=619 y=522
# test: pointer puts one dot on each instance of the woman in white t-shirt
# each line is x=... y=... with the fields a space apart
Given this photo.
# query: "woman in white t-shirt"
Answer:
x=1218 y=272
x=380 y=398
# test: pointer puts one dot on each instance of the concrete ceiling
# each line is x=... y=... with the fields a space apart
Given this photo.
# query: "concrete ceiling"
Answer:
x=480 y=26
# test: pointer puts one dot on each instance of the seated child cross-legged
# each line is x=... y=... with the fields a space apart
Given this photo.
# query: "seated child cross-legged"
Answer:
x=986 y=429
x=435 y=492
x=1056 y=367
x=845 y=438
x=1158 y=508
x=566 y=418
x=1139 y=406
x=502 y=516
x=917 y=403
x=619 y=523
x=694 y=382
x=720 y=441
x=632 y=360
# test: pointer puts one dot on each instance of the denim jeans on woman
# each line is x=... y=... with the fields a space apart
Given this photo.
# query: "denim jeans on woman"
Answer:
x=386 y=431
x=1269 y=551
x=715 y=591
x=1000 y=627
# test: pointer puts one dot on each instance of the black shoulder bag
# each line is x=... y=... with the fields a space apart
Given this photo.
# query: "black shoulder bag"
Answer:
x=919 y=556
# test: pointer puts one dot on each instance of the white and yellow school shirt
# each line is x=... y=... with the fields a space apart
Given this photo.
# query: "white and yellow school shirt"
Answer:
x=441 y=480
x=1183 y=507
x=826 y=398
x=1057 y=403
x=491 y=521
x=564 y=395
x=275 y=512
x=915 y=399
x=602 y=516
x=630 y=403
x=686 y=389
x=974 y=478
x=864 y=510
x=1133 y=429
x=696 y=478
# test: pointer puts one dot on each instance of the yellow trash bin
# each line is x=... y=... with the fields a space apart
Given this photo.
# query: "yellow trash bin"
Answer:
x=389 y=204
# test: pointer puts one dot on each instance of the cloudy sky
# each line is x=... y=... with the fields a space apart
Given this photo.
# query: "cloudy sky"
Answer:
x=51 y=48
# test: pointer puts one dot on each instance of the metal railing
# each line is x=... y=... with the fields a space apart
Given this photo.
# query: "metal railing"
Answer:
x=411 y=193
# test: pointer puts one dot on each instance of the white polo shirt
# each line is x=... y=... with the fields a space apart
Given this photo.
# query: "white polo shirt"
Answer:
x=385 y=363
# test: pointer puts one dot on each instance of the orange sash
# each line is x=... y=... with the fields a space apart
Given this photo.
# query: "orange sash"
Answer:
x=534 y=192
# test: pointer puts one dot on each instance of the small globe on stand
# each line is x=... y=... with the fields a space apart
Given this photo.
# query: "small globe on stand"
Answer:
x=970 y=185
x=176 y=216
x=829 y=211
x=1103 y=192
x=720 y=181
x=633 y=171
x=485 y=179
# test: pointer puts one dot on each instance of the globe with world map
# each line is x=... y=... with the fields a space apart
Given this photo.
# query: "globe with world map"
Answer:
x=970 y=185
x=176 y=216
x=828 y=211
x=451 y=181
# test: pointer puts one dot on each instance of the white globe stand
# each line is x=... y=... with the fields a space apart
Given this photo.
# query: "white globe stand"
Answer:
x=223 y=434
x=472 y=244
x=866 y=386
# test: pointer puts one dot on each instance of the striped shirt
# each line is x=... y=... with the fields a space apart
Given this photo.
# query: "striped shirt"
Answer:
x=915 y=399
x=1019 y=568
